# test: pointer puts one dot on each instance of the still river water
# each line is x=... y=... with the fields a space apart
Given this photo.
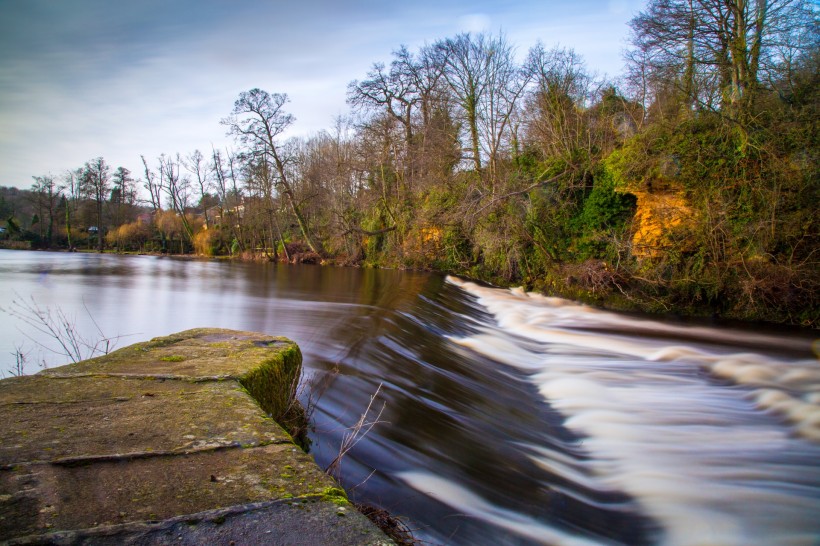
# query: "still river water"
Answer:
x=508 y=418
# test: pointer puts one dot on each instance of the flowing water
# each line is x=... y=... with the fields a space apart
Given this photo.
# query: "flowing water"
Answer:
x=507 y=418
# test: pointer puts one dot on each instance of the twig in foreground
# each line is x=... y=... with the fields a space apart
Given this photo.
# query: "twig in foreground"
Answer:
x=355 y=434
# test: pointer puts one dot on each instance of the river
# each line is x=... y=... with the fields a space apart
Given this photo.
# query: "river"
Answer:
x=507 y=418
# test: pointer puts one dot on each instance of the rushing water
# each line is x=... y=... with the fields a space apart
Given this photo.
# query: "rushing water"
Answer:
x=508 y=418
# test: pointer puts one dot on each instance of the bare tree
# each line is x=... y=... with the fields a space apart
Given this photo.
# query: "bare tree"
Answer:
x=71 y=188
x=46 y=195
x=391 y=90
x=196 y=165
x=257 y=121
x=482 y=73
x=235 y=203
x=424 y=74
x=260 y=181
x=177 y=189
x=217 y=167
x=557 y=123
x=464 y=60
x=96 y=185
x=727 y=42
x=123 y=194
x=153 y=185
x=227 y=192
x=506 y=84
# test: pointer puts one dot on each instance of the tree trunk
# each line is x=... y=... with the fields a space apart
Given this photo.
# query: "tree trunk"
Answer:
x=689 y=73
x=472 y=121
x=68 y=224
x=314 y=245
x=99 y=225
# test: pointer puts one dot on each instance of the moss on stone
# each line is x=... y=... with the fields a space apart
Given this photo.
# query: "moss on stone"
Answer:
x=172 y=358
x=175 y=426
x=336 y=495
x=273 y=382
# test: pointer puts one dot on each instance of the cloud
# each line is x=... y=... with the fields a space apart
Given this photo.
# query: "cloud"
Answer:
x=93 y=77
x=475 y=22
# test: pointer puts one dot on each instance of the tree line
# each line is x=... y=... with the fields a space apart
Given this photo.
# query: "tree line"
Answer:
x=688 y=185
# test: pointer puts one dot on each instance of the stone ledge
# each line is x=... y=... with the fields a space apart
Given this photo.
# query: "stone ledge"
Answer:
x=304 y=521
x=169 y=440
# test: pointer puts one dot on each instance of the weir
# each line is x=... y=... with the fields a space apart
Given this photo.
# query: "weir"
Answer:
x=172 y=440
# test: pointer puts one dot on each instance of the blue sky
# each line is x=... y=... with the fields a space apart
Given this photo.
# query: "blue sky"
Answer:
x=87 y=78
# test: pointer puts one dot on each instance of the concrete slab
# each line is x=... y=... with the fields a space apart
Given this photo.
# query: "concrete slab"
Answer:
x=47 y=419
x=173 y=440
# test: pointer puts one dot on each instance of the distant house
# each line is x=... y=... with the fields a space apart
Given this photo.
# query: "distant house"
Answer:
x=212 y=214
x=215 y=214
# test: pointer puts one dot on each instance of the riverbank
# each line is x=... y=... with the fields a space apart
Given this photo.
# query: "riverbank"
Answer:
x=593 y=282
x=175 y=439
x=597 y=283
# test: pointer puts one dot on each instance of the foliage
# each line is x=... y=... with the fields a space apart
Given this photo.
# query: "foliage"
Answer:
x=604 y=218
x=130 y=237
x=691 y=185
x=211 y=242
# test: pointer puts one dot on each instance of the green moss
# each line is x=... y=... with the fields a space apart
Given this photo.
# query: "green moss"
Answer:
x=273 y=382
x=172 y=358
x=336 y=495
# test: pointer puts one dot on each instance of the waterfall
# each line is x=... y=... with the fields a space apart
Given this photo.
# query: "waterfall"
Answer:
x=717 y=444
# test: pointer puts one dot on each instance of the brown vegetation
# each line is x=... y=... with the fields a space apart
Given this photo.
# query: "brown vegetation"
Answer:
x=691 y=184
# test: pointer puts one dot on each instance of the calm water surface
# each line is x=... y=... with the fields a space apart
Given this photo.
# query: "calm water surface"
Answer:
x=508 y=418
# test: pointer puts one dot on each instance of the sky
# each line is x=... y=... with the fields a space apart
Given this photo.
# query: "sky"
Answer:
x=81 y=79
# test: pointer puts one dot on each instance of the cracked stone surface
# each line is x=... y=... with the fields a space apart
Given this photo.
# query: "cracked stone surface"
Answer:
x=168 y=440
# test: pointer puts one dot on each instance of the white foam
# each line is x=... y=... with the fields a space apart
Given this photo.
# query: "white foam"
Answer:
x=701 y=459
x=568 y=468
x=472 y=505
x=553 y=321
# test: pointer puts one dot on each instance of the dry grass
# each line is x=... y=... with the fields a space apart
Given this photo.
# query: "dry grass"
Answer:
x=390 y=525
